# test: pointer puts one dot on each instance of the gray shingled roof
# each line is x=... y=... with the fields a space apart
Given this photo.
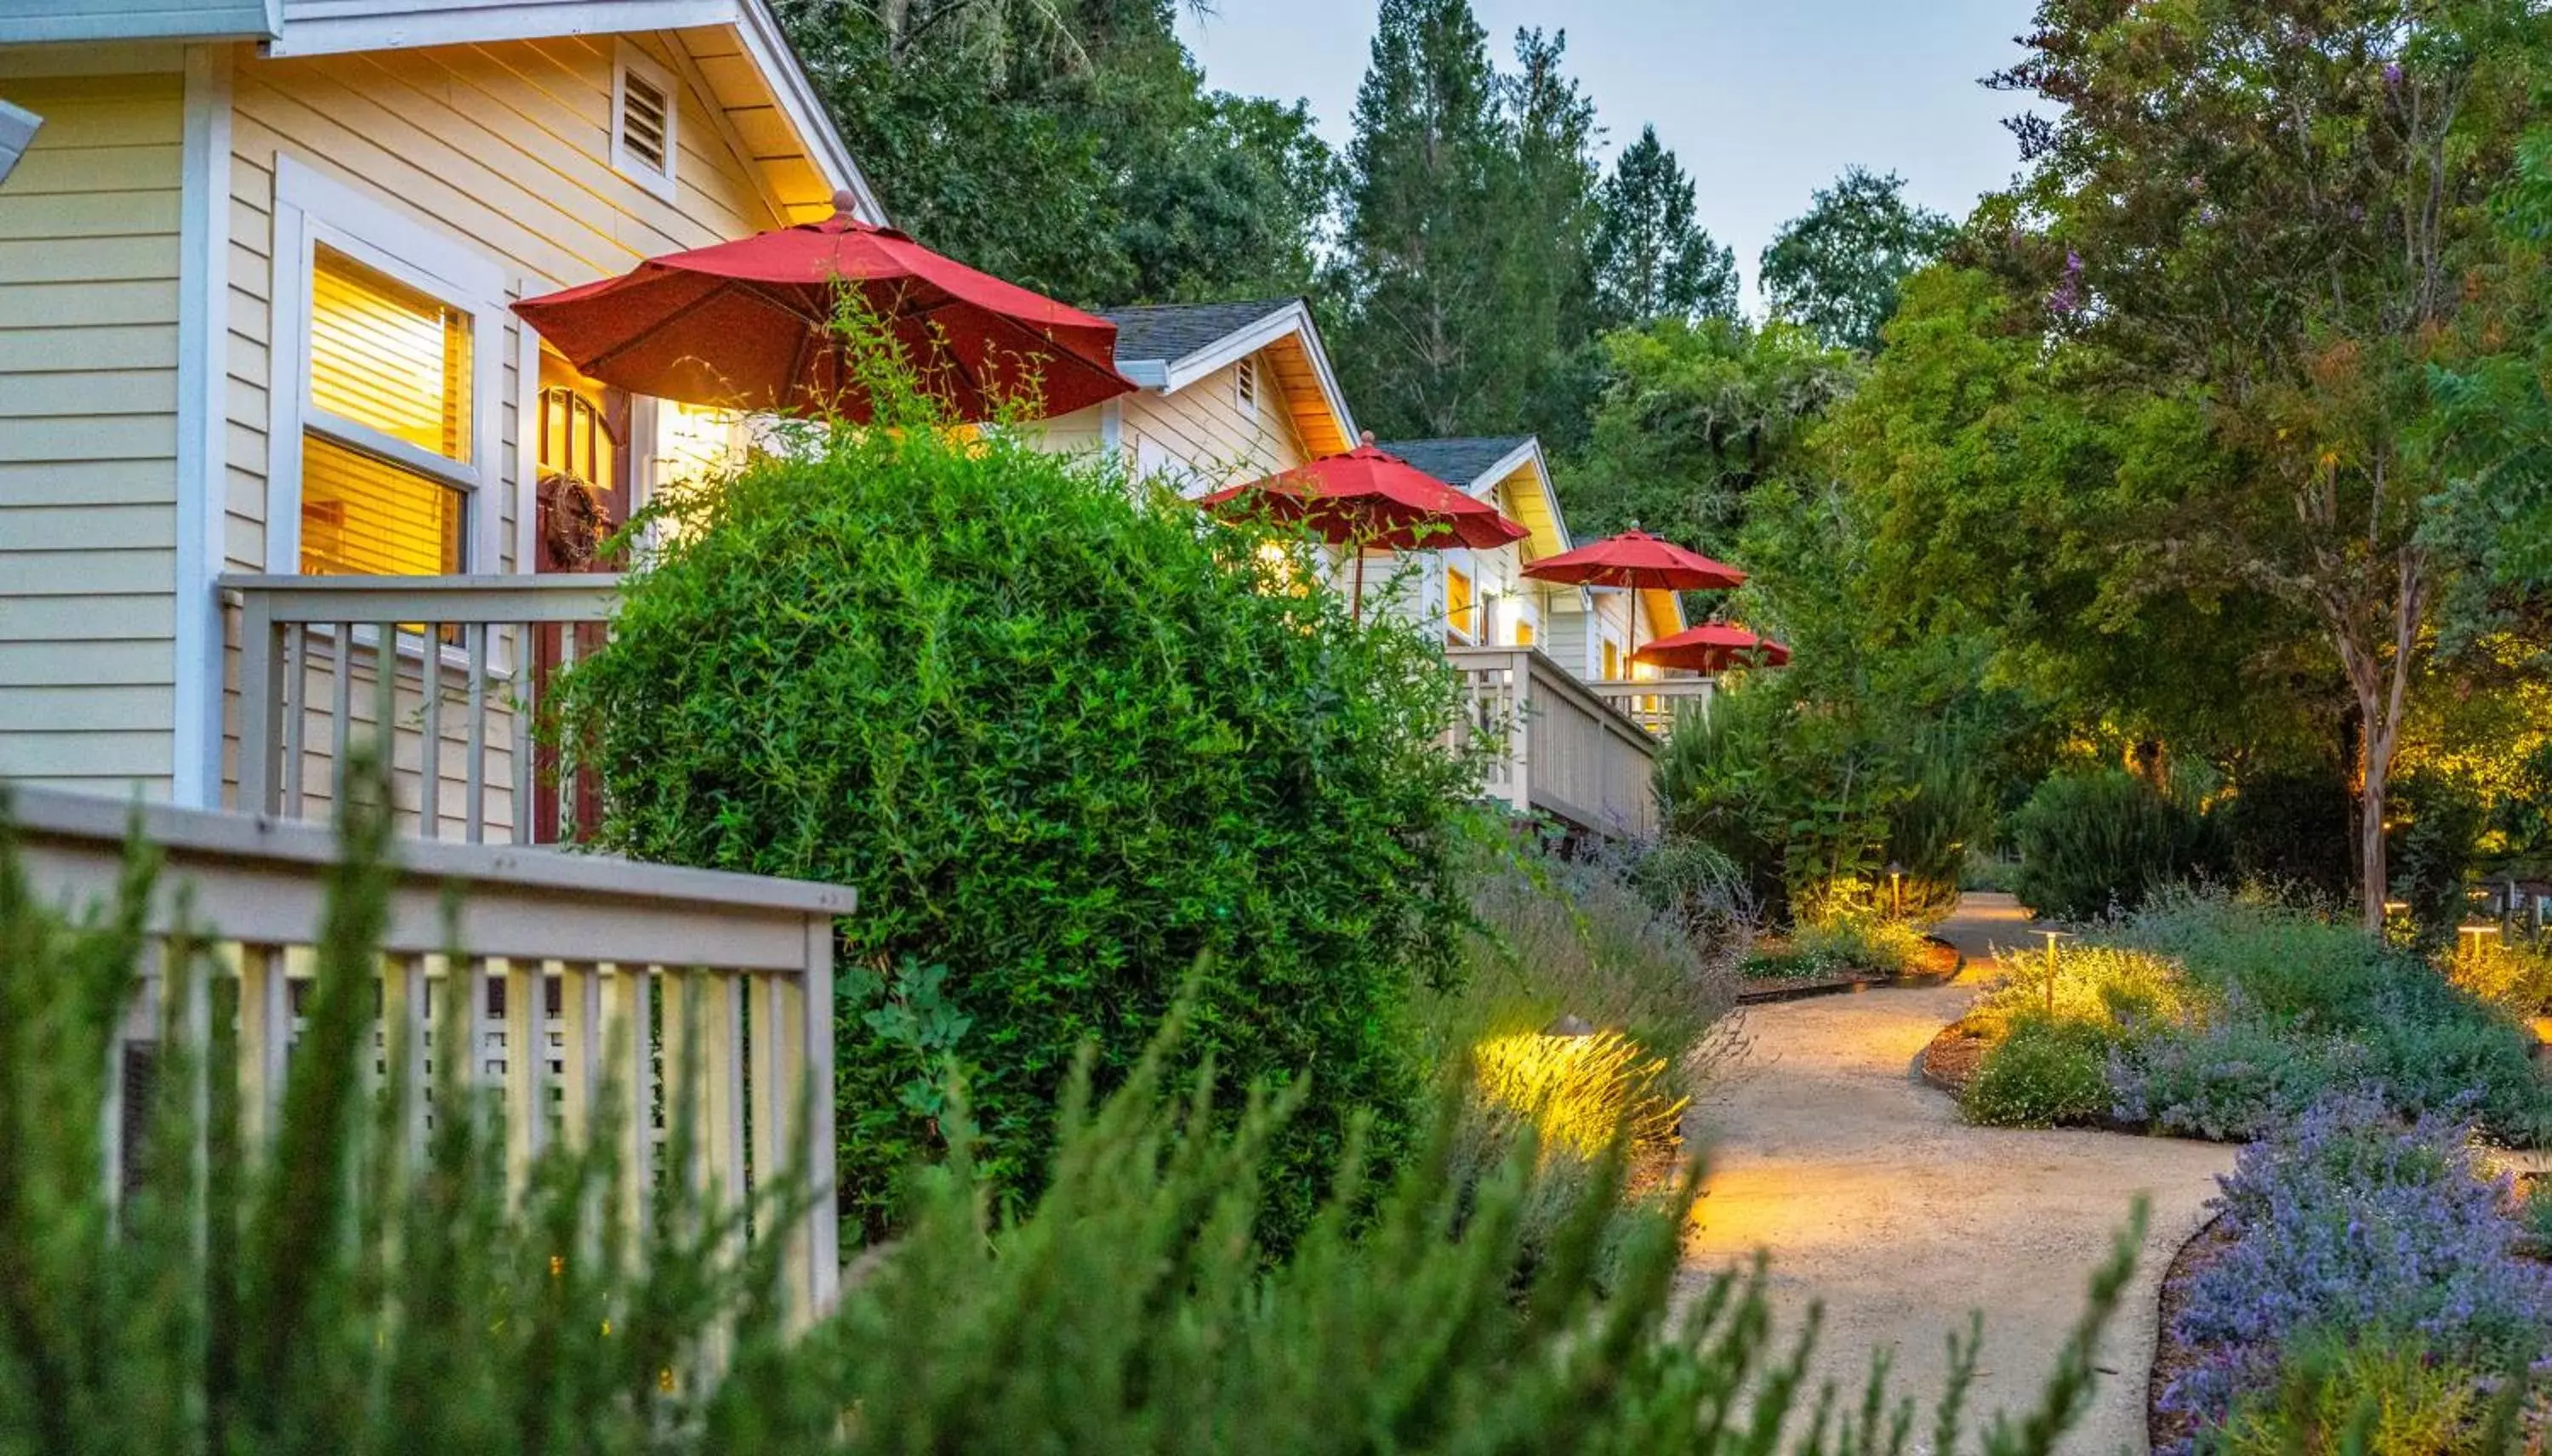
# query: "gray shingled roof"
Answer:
x=1457 y=462
x=1157 y=332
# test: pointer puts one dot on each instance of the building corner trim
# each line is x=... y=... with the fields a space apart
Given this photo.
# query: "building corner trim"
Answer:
x=204 y=245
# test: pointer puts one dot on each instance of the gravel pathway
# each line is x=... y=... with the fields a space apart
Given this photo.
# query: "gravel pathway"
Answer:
x=1873 y=1196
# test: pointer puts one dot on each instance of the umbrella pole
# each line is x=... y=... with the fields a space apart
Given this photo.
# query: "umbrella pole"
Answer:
x=1631 y=664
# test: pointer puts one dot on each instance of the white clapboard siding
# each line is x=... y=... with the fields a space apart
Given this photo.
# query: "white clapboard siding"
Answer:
x=1204 y=430
x=503 y=150
x=88 y=436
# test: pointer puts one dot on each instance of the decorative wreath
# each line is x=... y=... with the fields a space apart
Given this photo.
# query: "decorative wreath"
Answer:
x=573 y=520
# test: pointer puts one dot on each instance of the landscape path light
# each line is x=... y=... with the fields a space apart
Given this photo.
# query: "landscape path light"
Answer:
x=2053 y=936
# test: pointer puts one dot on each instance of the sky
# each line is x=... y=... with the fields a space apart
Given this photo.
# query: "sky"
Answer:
x=1764 y=101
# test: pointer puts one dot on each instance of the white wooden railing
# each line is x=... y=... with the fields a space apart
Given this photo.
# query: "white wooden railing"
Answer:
x=1656 y=704
x=569 y=959
x=1563 y=749
x=469 y=656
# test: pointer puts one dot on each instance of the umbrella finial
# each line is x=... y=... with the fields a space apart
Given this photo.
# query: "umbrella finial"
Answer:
x=846 y=203
x=1366 y=440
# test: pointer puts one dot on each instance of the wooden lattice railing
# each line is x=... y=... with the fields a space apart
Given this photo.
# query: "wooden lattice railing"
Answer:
x=569 y=958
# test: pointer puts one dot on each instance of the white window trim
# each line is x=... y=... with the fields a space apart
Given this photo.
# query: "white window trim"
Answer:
x=310 y=209
x=1461 y=562
x=628 y=60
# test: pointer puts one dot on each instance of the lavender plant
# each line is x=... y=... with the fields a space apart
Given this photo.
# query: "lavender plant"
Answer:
x=2348 y=1220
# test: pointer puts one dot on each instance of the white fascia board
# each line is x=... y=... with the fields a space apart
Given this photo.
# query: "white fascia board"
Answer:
x=482 y=24
x=1529 y=453
x=771 y=50
x=1231 y=349
x=1319 y=353
x=1147 y=373
x=242 y=20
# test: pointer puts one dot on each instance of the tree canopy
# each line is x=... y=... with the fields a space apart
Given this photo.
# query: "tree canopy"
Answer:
x=1071 y=146
x=1837 y=267
x=2220 y=439
x=1652 y=259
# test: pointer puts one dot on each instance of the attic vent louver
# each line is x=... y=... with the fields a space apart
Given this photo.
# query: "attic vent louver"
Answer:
x=1245 y=382
x=642 y=122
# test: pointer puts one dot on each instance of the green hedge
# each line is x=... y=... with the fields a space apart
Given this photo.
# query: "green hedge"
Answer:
x=1069 y=745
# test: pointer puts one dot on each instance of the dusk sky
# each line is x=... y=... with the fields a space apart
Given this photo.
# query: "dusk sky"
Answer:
x=1763 y=100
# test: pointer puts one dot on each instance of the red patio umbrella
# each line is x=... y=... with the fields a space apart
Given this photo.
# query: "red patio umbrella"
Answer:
x=749 y=325
x=1365 y=498
x=1638 y=561
x=1711 y=648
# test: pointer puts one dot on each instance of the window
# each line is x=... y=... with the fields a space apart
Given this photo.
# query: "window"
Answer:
x=1244 y=384
x=386 y=444
x=644 y=114
x=384 y=427
x=1612 y=662
x=1524 y=633
x=1459 y=602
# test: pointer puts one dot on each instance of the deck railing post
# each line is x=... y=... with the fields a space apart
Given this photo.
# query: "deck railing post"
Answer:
x=815 y=1024
x=261 y=699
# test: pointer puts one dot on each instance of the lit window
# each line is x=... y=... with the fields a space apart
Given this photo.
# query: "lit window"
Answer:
x=1460 y=603
x=1524 y=633
x=1612 y=662
x=364 y=517
x=389 y=392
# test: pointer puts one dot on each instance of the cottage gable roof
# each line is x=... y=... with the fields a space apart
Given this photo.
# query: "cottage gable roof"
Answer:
x=1167 y=346
x=1166 y=333
x=755 y=79
x=1462 y=461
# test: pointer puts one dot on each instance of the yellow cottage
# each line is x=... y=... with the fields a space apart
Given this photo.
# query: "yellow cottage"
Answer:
x=254 y=355
x=278 y=464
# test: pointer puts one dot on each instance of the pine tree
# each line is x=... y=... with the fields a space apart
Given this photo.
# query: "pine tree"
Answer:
x=1422 y=273
x=1550 y=184
x=1652 y=261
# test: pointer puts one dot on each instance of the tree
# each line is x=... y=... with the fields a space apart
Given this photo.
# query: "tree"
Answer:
x=2012 y=493
x=1694 y=415
x=1422 y=336
x=1837 y=267
x=1465 y=283
x=1548 y=202
x=2269 y=212
x=1070 y=146
x=1652 y=261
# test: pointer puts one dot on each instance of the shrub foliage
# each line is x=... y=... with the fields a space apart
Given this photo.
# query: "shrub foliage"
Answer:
x=2223 y=1016
x=1068 y=746
x=2091 y=843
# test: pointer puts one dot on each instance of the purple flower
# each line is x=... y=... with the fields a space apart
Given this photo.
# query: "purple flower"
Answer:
x=2067 y=300
x=2392 y=75
x=2347 y=1218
